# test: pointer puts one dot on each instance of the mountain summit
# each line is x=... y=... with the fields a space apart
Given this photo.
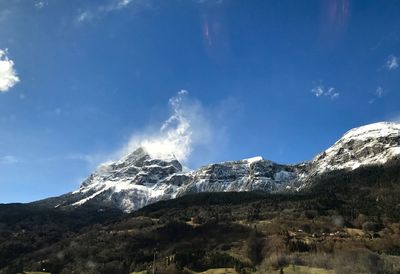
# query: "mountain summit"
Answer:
x=371 y=144
x=138 y=179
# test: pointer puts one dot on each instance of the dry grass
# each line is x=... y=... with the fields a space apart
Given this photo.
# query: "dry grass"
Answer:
x=213 y=271
x=299 y=269
x=35 y=272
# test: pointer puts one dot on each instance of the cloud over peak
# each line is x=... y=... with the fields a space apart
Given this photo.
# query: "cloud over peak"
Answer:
x=8 y=75
x=185 y=128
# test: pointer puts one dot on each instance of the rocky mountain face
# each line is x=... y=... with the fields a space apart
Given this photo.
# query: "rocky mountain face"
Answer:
x=137 y=179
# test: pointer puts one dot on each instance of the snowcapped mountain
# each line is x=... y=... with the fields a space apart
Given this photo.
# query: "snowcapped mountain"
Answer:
x=371 y=144
x=138 y=179
x=244 y=175
x=130 y=183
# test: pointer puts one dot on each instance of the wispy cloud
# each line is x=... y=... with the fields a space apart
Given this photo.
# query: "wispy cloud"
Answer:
x=215 y=2
x=5 y=14
x=320 y=91
x=184 y=128
x=8 y=75
x=392 y=63
x=91 y=159
x=379 y=92
x=394 y=117
x=193 y=133
x=8 y=159
x=190 y=129
x=123 y=3
x=98 y=12
x=40 y=4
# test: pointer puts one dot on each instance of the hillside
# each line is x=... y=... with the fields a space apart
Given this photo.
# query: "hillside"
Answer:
x=346 y=222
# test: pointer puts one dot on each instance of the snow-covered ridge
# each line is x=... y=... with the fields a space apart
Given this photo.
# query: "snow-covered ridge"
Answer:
x=375 y=130
x=138 y=179
x=253 y=159
x=371 y=144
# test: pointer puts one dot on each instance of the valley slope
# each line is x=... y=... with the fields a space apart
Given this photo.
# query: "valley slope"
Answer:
x=347 y=221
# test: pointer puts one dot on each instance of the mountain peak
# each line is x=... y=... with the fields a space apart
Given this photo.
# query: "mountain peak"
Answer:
x=141 y=178
x=374 y=130
x=370 y=144
x=253 y=159
x=138 y=154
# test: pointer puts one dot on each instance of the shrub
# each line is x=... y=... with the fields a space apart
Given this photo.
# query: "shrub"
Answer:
x=254 y=247
x=371 y=227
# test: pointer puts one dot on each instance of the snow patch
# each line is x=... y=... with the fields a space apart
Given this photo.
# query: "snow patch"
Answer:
x=253 y=159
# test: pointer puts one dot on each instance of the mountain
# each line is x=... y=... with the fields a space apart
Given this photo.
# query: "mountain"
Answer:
x=338 y=213
x=371 y=144
x=347 y=222
x=137 y=179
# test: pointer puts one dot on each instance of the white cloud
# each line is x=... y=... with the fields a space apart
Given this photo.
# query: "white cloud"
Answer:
x=8 y=75
x=91 y=159
x=40 y=4
x=8 y=159
x=100 y=11
x=332 y=93
x=83 y=16
x=113 y=5
x=215 y=2
x=379 y=92
x=123 y=3
x=5 y=14
x=392 y=63
x=320 y=91
x=185 y=128
x=193 y=133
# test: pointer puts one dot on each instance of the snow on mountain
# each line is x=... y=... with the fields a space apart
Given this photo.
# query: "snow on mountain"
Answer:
x=245 y=175
x=131 y=182
x=138 y=179
x=371 y=144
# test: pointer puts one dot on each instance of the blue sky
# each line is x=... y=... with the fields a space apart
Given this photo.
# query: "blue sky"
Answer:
x=79 y=80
